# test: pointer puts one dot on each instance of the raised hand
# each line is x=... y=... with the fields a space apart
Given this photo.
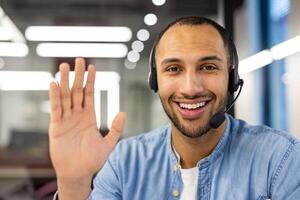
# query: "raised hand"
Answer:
x=77 y=149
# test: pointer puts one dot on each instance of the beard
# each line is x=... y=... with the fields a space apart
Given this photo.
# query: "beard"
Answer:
x=194 y=132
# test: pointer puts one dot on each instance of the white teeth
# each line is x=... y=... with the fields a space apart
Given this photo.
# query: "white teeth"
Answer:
x=191 y=106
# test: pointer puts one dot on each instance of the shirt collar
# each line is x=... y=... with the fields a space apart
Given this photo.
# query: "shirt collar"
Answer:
x=217 y=152
x=219 y=149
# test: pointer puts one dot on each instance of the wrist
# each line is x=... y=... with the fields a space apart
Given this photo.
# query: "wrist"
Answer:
x=75 y=189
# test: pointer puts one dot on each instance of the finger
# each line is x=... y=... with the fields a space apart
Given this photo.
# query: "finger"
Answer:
x=77 y=88
x=55 y=104
x=65 y=90
x=89 y=88
x=116 y=129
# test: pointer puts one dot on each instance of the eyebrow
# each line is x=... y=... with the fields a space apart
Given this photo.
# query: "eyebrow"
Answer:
x=205 y=58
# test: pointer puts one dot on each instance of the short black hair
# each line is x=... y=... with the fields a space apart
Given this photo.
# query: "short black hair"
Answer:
x=198 y=20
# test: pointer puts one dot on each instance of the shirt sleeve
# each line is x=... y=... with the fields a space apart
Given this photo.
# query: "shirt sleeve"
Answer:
x=106 y=184
x=286 y=180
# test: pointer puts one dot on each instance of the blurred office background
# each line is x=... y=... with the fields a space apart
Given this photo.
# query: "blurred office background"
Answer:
x=117 y=37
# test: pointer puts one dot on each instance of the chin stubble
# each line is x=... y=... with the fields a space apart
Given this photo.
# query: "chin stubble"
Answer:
x=195 y=133
x=191 y=133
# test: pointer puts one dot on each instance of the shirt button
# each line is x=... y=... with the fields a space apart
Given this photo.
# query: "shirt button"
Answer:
x=175 y=167
x=175 y=193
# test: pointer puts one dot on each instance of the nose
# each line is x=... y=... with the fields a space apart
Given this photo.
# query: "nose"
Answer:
x=192 y=84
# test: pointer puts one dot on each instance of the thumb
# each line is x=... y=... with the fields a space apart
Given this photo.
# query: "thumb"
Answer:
x=116 y=130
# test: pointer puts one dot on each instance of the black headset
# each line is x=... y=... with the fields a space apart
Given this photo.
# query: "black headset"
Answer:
x=234 y=79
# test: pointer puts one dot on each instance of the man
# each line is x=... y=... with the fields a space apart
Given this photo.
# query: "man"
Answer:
x=200 y=155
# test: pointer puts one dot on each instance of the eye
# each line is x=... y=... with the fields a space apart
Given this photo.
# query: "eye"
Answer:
x=173 y=68
x=209 y=67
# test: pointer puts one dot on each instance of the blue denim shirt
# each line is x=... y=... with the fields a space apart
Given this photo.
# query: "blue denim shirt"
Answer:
x=249 y=163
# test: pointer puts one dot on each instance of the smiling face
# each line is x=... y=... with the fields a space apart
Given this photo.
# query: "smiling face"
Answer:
x=192 y=75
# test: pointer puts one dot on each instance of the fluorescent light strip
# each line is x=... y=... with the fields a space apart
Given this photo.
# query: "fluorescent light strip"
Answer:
x=265 y=57
x=2 y=14
x=24 y=80
x=79 y=33
x=94 y=50
x=10 y=49
x=286 y=48
x=6 y=33
x=255 y=62
x=40 y=81
x=108 y=81
x=5 y=21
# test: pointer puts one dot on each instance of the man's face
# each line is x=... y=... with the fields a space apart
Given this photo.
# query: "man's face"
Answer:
x=192 y=76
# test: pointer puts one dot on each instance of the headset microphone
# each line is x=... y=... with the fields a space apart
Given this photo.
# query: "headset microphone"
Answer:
x=217 y=120
x=219 y=117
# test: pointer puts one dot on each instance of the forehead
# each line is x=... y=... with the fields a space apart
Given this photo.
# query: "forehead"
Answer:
x=191 y=39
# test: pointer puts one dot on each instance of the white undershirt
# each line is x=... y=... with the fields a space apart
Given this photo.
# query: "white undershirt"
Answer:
x=190 y=181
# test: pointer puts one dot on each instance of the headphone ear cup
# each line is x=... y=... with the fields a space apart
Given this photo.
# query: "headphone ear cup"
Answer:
x=234 y=81
x=152 y=80
x=234 y=78
x=231 y=82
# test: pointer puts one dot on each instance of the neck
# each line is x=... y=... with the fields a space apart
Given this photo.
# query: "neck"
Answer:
x=192 y=150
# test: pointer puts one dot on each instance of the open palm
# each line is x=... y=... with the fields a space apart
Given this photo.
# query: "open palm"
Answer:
x=77 y=149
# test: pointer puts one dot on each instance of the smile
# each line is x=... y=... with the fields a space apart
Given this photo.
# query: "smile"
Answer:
x=192 y=105
x=191 y=110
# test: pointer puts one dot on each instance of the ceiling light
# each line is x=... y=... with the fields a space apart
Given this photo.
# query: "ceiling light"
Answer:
x=265 y=57
x=79 y=33
x=6 y=33
x=133 y=56
x=286 y=48
x=40 y=81
x=16 y=35
x=1 y=12
x=150 y=19
x=158 y=2
x=137 y=46
x=143 y=35
x=94 y=50
x=24 y=80
x=256 y=61
x=11 y=49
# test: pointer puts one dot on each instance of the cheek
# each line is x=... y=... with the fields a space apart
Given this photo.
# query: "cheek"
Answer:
x=166 y=87
x=220 y=86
